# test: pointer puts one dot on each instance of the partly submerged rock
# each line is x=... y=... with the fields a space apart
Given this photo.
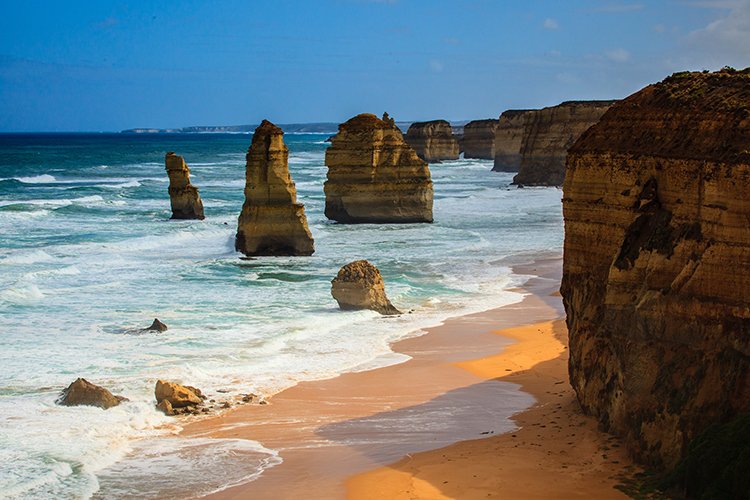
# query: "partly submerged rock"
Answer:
x=83 y=392
x=374 y=176
x=178 y=396
x=183 y=196
x=156 y=326
x=433 y=141
x=359 y=285
x=165 y=407
x=272 y=222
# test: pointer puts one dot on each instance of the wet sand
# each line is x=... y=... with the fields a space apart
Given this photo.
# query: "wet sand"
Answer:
x=338 y=436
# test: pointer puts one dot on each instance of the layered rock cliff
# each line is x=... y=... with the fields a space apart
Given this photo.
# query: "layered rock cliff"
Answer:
x=479 y=139
x=183 y=196
x=656 y=278
x=548 y=133
x=508 y=139
x=433 y=141
x=272 y=222
x=374 y=176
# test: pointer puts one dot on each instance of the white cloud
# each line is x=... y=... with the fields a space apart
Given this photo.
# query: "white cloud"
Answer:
x=725 y=40
x=436 y=65
x=618 y=55
x=551 y=24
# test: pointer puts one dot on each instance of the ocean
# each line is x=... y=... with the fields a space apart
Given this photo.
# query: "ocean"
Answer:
x=88 y=254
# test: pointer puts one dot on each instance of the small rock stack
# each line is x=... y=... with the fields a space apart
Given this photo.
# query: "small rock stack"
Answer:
x=184 y=197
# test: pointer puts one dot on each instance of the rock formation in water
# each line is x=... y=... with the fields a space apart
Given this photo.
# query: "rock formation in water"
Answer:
x=184 y=197
x=478 y=140
x=359 y=285
x=656 y=278
x=374 y=176
x=82 y=392
x=272 y=222
x=548 y=134
x=156 y=326
x=178 y=396
x=509 y=138
x=433 y=141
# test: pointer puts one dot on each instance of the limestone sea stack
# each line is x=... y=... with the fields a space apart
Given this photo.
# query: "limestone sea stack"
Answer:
x=374 y=176
x=656 y=275
x=548 y=133
x=272 y=222
x=359 y=285
x=184 y=197
x=479 y=139
x=508 y=139
x=433 y=141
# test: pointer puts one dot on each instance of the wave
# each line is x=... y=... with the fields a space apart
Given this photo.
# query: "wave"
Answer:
x=37 y=179
x=25 y=258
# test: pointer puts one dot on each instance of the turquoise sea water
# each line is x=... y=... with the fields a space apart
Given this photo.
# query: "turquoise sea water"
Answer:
x=87 y=252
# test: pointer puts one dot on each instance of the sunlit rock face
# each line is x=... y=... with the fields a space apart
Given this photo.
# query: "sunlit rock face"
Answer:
x=509 y=138
x=433 y=141
x=479 y=139
x=656 y=280
x=272 y=222
x=183 y=196
x=374 y=176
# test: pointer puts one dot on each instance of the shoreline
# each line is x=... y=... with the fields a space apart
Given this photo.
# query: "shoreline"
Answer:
x=328 y=431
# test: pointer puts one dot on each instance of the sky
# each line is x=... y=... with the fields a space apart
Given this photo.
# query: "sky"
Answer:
x=109 y=66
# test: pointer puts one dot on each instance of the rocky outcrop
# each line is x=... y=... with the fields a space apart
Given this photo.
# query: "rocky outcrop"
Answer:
x=479 y=139
x=359 y=285
x=548 y=133
x=374 y=176
x=178 y=396
x=272 y=222
x=433 y=141
x=84 y=393
x=509 y=138
x=156 y=326
x=184 y=197
x=656 y=278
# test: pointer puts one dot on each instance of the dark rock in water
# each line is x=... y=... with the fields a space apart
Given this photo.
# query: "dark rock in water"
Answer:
x=179 y=396
x=156 y=326
x=83 y=392
x=165 y=407
x=359 y=285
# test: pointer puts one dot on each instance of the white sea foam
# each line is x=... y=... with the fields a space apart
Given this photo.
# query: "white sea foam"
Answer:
x=36 y=179
x=27 y=257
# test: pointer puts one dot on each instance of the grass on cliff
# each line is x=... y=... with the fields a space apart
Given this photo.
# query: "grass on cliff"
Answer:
x=717 y=464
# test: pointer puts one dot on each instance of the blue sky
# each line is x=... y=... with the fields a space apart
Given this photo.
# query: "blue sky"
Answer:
x=98 y=66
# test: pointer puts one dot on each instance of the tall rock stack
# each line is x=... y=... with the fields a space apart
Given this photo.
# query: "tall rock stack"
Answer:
x=479 y=139
x=656 y=278
x=433 y=141
x=509 y=138
x=374 y=176
x=548 y=134
x=271 y=222
x=183 y=196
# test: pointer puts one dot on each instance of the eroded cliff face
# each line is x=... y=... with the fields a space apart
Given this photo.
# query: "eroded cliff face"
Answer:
x=433 y=141
x=656 y=278
x=508 y=139
x=272 y=222
x=479 y=139
x=548 y=133
x=183 y=196
x=374 y=176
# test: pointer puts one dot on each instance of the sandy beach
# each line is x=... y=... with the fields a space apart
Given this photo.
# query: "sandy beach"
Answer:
x=440 y=425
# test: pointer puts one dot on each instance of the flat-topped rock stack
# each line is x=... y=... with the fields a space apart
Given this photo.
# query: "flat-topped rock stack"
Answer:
x=433 y=141
x=656 y=277
x=374 y=176
x=272 y=222
x=183 y=196
x=479 y=139
x=548 y=134
x=509 y=136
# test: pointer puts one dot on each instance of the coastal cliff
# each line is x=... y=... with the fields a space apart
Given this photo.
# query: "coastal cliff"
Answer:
x=656 y=278
x=548 y=133
x=479 y=139
x=374 y=176
x=433 y=141
x=508 y=139
x=184 y=197
x=272 y=222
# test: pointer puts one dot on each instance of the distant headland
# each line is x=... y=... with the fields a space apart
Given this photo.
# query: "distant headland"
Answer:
x=293 y=128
